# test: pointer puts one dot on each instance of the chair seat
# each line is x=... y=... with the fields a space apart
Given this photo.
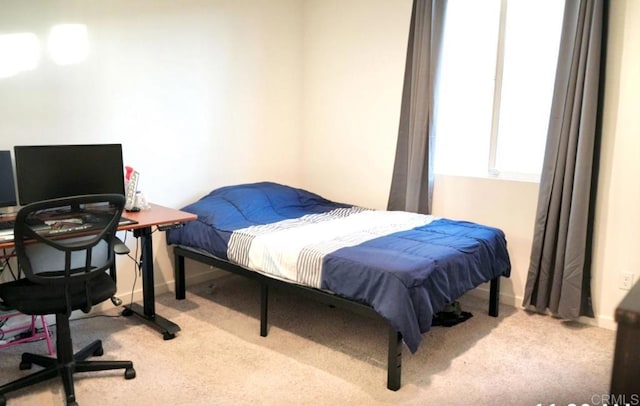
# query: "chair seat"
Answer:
x=35 y=299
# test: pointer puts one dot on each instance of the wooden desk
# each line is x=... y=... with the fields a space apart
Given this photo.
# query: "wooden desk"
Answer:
x=154 y=216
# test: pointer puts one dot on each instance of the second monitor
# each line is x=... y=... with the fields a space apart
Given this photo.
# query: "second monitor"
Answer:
x=7 y=186
x=51 y=171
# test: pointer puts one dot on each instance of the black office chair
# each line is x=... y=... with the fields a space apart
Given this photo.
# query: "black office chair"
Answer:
x=65 y=259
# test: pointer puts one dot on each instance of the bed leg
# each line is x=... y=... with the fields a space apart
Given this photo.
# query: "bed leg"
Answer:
x=394 y=360
x=494 y=296
x=178 y=276
x=264 y=304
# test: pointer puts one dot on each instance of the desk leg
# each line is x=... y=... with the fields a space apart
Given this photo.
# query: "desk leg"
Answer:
x=148 y=312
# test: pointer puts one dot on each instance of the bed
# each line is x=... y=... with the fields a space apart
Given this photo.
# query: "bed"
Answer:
x=400 y=266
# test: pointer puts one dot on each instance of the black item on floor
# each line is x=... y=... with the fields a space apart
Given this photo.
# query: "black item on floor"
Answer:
x=451 y=315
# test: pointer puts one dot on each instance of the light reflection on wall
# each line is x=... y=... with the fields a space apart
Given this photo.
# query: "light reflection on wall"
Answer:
x=67 y=44
x=18 y=52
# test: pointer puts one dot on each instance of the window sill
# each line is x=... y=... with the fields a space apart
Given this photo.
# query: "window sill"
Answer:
x=507 y=177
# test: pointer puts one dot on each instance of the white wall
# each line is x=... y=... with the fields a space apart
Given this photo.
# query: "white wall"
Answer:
x=617 y=217
x=201 y=93
x=354 y=54
x=354 y=60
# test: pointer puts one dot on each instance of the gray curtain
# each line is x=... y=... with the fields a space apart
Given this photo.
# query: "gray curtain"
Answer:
x=412 y=181
x=559 y=277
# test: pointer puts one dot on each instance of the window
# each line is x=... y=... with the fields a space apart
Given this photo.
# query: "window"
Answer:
x=495 y=87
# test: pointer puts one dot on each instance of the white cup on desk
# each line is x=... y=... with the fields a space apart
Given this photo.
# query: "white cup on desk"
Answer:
x=140 y=201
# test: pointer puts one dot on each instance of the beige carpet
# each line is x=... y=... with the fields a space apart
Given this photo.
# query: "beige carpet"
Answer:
x=317 y=355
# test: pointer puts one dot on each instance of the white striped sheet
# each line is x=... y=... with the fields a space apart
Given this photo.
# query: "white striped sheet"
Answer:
x=241 y=239
x=296 y=253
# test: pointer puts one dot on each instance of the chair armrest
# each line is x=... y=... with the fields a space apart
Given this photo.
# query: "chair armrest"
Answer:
x=119 y=247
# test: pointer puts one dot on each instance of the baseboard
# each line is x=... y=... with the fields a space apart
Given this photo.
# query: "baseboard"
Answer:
x=606 y=322
x=212 y=273
x=136 y=296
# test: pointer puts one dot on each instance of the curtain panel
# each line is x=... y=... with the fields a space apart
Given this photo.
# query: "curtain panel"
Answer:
x=412 y=180
x=559 y=276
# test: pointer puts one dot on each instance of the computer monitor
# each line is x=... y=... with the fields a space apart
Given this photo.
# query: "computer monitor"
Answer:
x=7 y=185
x=51 y=171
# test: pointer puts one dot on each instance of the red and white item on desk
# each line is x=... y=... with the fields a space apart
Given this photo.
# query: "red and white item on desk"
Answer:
x=131 y=186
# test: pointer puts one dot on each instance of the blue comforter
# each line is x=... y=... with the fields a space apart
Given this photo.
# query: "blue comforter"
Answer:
x=405 y=265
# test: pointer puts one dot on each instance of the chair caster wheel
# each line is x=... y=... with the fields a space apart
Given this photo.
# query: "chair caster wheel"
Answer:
x=99 y=352
x=168 y=336
x=127 y=312
x=129 y=373
x=24 y=365
x=3 y=401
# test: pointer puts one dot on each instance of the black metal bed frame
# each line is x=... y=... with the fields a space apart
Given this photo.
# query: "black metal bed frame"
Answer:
x=394 y=357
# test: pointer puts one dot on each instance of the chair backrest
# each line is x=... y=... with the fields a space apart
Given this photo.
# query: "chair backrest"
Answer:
x=69 y=241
